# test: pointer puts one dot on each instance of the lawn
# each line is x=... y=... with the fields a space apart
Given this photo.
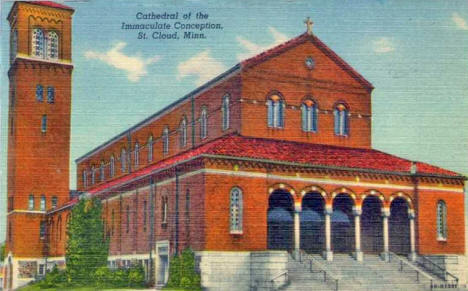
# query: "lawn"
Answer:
x=37 y=288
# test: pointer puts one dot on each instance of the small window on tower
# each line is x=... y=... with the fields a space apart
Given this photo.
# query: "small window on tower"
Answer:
x=42 y=230
x=38 y=43
x=44 y=123
x=43 y=203
x=54 y=202
x=50 y=95
x=52 y=45
x=31 y=202
x=39 y=93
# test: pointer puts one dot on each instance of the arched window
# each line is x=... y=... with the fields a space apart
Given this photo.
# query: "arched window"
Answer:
x=93 y=175
x=101 y=172
x=128 y=219
x=54 y=201
x=165 y=140
x=43 y=203
x=309 y=110
x=85 y=178
x=225 y=111
x=275 y=106
x=203 y=123
x=164 y=210
x=123 y=160
x=31 y=202
x=150 y=149
x=59 y=228
x=112 y=166
x=136 y=155
x=39 y=93
x=37 y=42
x=50 y=95
x=52 y=45
x=145 y=214
x=235 y=210
x=44 y=123
x=341 y=116
x=183 y=132
x=441 y=220
x=112 y=222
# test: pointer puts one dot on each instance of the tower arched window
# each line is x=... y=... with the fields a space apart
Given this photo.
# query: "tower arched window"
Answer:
x=235 y=210
x=204 y=123
x=275 y=105
x=39 y=93
x=93 y=175
x=52 y=45
x=50 y=95
x=441 y=220
x=102 y=176
x=123 y=160
x=183 y=132
x=85 y=178
x=38 y=42
x=31 y=202
x=112 y=166
x=225 y=111
x=341 y=120
x=309 y=111
x=136 y=155
x=165 y=140
x=150 y=148
x=43 y=203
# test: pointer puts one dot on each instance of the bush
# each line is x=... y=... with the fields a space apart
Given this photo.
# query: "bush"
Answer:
x=136 y=276
x=55 y=278
x=120 y=278
x=182 y=271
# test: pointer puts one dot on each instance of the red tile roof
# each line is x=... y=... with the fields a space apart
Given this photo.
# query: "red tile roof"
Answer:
x=301 y=39
x=237 y=146
x=50 y=4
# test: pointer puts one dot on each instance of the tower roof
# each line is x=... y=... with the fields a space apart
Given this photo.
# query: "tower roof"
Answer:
x=50 y=4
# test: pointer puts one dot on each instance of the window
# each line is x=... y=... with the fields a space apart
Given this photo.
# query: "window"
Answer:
x=235 y=210
x=31 y=202
x=441 y=220
x=39 y=93
x=341 y=116
x=93 y=175
x=59 y=229
x=50 y=95
x=309 y=111
x=102 y=172
x=112 y=166
x=203 y=123
x=52 y=45
x=136 y=155
x=275 y=106
x=164 y=210
x=44 y=123
x=145 y=215
x=128 y=219
x=183 y=133
x=150 y=149
x=113 y=222
x=42 y=230
x=43 y=203
x=38 y=43
x=165 y=138
x=225 y=111
x=123 y=160
x=85 y=178
x=54 y=202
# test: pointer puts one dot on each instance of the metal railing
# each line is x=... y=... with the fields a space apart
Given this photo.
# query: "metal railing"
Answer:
x=317 y=267
x=450 y=281
x=270 y=283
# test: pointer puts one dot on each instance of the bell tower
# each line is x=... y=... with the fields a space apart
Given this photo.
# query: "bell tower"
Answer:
x=38 y=130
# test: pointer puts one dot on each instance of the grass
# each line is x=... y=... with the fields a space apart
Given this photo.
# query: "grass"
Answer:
x=37 y=288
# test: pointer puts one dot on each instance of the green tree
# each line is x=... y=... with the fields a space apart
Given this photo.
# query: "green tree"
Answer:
x=87 y=249
x=2 y=252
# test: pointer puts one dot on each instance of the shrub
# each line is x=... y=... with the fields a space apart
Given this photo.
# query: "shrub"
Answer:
x=55 y=278
x=136 y=276
x=182 y=271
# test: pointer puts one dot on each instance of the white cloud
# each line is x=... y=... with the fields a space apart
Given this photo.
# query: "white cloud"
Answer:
x=383 y=45
x=134 y=66
x=202 y=65
x=254 y=49
x=459 y=21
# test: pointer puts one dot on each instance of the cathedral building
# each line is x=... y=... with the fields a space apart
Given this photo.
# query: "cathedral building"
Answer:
x=270 y=157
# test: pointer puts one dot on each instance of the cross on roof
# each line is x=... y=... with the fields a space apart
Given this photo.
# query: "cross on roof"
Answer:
x=309 y=24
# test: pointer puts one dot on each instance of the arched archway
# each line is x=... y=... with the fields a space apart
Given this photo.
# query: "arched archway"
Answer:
x=372 y=225
x=342 y=224
x=399 y=226
x=312 y=223
x=280 y=220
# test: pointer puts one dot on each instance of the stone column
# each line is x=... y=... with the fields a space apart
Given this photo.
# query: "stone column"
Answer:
x=412 y=255
x=385 y=214
x=297 y=228
x=357 y=211
x=328 y=253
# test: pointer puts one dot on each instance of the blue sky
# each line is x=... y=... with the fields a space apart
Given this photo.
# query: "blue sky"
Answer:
x=415 y=53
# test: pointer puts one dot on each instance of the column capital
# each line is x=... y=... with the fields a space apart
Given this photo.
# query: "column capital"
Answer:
x=357 y=210
x=411 y=214
x=297 y=207
x=328 y=210
x=385 y=212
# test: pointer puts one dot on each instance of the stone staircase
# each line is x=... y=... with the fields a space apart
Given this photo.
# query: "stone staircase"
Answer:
x=372 y=274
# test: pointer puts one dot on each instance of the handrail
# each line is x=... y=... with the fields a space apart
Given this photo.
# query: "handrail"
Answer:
x=271 y=281
x=285 y=273
x=418 y=272
x=327 y=275
x=443 y=270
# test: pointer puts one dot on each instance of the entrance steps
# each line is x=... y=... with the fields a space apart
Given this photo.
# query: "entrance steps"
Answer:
x=372 y=274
